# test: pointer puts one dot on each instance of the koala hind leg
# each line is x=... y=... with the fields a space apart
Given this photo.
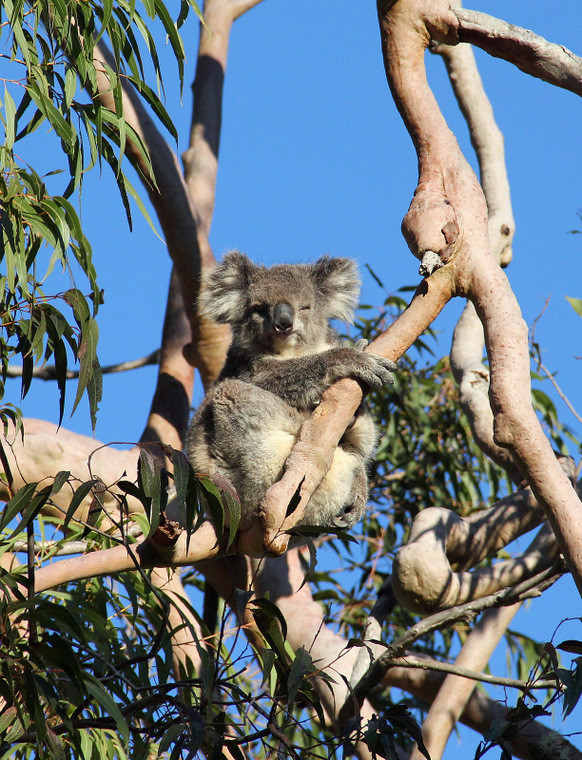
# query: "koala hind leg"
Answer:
x=253 y=432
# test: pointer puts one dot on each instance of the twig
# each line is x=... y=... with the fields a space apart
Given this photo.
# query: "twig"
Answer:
x=49 y=371
x=74 y=547
x=529 y=588
x=427 y=663
x=559 y=391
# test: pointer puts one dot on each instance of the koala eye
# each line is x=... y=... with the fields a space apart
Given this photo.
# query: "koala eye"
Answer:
x=304 y=308
x=262 y=309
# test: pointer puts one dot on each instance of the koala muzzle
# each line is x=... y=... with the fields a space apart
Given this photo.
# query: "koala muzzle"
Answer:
x=283 y=316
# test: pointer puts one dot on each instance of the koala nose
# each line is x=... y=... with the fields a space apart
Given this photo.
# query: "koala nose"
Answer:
x=283 y=317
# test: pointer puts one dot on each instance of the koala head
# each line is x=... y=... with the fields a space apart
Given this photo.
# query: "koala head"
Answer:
x=284 y=309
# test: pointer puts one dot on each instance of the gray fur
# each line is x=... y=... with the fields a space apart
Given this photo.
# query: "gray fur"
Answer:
x=283 y=356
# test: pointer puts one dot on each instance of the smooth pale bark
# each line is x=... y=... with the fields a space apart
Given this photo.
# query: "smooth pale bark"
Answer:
x=424 y=580
x=181 y=622
x=48 y=449
x=455 y=691
x=157 y=551
x=284 y=580
x=448 y=217
x=528 y=51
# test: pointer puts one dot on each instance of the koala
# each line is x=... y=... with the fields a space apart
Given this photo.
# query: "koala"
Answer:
x=284 y=354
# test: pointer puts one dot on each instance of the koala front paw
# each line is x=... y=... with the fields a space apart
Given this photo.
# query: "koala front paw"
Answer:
x=374 y=371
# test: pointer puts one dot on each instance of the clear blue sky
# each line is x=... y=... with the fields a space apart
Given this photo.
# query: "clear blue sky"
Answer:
x=314 y=159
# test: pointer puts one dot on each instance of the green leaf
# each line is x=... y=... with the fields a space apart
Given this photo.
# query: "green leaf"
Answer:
x=10 y=123
x=272 y=625
x=59 y=351
x=187 y=492
x=59 y=481
x=48 y=110
x=576 y=304
x=35 y=504
x=573 y=689
x=79 y=495
x=154 y=483
x=103 y=697
x=300 y=667
x=90 y=378
x=570 y=645
x=17 y=503
x=169 y=737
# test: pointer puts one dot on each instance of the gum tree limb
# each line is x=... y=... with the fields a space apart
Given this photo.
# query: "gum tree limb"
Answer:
x=452 y=697
x=166 y=548
x=526 y=589
x=432 y=571
x=283 y=579
x=471 y=375
x=528 y=51
x=448 y=219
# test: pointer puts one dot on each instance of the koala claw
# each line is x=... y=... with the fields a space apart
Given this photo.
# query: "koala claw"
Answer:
x=377 y=370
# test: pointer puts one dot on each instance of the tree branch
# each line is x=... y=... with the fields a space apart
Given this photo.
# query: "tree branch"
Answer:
x=456 y=689
x=447 y=219
x=428 y=663
x=162 y=549
x=467 y=611
x=422 y=574
x=471 y=375
x=170 y=408
x=48 y=372
x=529 y=52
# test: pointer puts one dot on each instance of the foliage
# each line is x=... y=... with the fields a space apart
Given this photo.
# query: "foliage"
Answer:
x=51 y=48
x=86 y=671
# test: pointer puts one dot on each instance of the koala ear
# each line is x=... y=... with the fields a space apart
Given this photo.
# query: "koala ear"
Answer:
x=223 y=291
x=338 y=281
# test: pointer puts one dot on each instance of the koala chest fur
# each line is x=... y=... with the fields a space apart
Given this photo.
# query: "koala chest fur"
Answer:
x=284 y=355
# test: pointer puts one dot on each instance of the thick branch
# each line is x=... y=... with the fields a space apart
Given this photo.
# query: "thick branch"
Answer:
x=170 y=408
x=467 y=365
x=283 y=579
x=159 y=550
x=169 y=197
x=448 y=218
x=182 y=623
x=487 y=140
x=48 y=449
x=532 y=54
x=423 y=577
x=311 y=456
x=472 y=377
x=209 y=340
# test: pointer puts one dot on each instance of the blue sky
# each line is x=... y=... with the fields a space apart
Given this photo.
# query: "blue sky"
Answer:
x=314 y=159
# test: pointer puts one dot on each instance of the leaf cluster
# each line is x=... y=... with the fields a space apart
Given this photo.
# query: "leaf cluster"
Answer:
x=56 y=83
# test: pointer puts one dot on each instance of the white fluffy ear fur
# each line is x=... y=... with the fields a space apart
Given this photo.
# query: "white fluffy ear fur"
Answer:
x=222 y=291
x=338 y=281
